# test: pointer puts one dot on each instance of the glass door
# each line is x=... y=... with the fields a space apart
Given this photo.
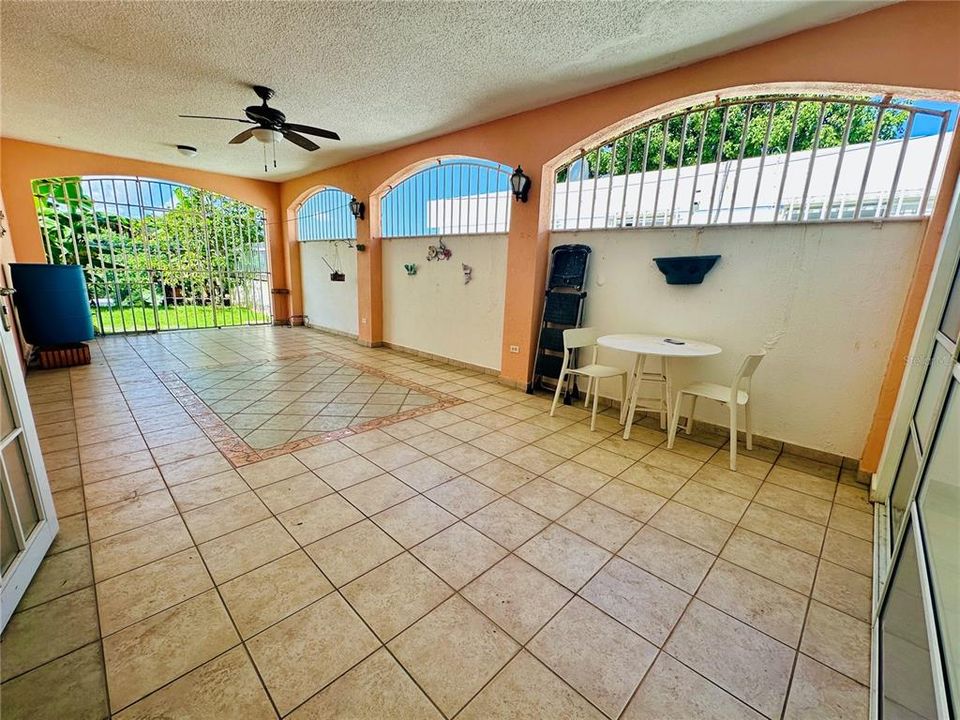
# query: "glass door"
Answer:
x=28 y=522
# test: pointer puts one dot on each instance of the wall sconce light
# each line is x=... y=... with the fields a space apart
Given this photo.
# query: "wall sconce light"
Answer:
x=520 y=184
x=356 y=208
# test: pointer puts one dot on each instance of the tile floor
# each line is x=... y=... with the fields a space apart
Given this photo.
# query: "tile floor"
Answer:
x=479 y=561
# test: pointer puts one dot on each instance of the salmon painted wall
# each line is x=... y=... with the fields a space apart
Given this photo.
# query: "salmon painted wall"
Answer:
x=21 y=162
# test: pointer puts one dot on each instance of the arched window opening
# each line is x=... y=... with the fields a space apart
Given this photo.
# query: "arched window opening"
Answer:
x=157 y=255
x=326 y=215
x=765 y=159
x=452 y=196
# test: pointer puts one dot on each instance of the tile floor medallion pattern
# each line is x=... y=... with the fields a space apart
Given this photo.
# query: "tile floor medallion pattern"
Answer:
x=268 y=522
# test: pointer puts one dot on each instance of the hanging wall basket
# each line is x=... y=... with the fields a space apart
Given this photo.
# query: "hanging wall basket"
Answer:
x=686 y=269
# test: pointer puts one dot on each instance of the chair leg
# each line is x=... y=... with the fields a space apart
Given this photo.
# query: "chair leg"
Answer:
x=693 y=409
x=586 y=395
x=623 y=396
x=596 y=396
x=674 y=421
x=733 y=437
x=556 y=395
x=749 y=421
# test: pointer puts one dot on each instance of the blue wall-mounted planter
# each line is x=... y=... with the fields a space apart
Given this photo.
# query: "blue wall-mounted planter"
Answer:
x=686 y=269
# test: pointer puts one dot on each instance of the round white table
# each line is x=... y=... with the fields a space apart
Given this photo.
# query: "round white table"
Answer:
x=663 y=347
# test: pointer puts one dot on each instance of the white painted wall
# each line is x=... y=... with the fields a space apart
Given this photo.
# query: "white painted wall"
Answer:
x=826 y=296
x=434 y=311
x=327 y=304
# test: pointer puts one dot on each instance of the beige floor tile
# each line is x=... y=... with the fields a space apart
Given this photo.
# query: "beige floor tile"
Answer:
x=755 y=600
x=518 y=597
x=125 y=551
x=606 y=527
x=376 y=688
x=534 y=459
x=197 y=493
x=802 y=482
x=464 y=457
x=270 y=471
x=223 y=516
x=853 y=522
x=40 y=634
x=72 y=686
x=138 y=658
x=526 y=690
x=773 y=560
x=844 y=590
x=502 y=476
x=628 y=499
x=273 y=591
x=787 y=529
x=747 y=465
x=466 y=430
x=293 y=491
x=462 y=496
x=122 y=487
x=319 y=518
x=182 y=450
x=817 y=691
x=226 y=686
x=594 y=654
x=72 y=533
x=672 y=462
x=837 y=640
x=579 y=478
x=567 y=558
x=128 y=514
x=58 y=575
x=792 y=502
x=65 y=478
x=497 y=443
x=693 y=449
x=853 y=497
x=654 y=479
x=452 y=652
x=605 y=461
x=367 y=441
x=849 y=551
x=633 y=448
x=194 y=468
x=425 y=474
x=672 y=690
x=668 y=558
x=705 y=531
x=406 y=429
x=433 y=442
x=546 y=498
x=301 y=654
x=394 y=456
x=723 y=505
x=751 y=666
x=722 y=478
x=161 y=438
x=129 y=598
x=458 y=554
x=508 y=523
x=325 y=454
x=68 y=502
x=566 y=446
x=243 y=550
x=825 y=471
x=414 y=520
x=116 y=465
x=343 y=474
x=349 y=553
x=639 y=600
x=378 y=493
x=396 y=594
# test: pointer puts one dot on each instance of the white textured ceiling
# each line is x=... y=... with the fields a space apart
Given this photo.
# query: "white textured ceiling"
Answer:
x=112 y=76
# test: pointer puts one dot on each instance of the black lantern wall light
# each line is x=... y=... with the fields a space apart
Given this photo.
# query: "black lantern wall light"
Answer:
x=356 y=208
x=520 y=184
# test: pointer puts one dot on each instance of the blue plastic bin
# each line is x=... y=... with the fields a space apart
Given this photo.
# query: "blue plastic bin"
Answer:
x=52 y=303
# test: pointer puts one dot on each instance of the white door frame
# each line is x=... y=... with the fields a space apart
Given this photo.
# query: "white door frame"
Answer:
x=34 y=546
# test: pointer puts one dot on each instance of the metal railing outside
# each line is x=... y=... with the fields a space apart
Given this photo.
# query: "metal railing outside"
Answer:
x=326 y=215
x=455 y=196
x=765 y=159
x=157 y=255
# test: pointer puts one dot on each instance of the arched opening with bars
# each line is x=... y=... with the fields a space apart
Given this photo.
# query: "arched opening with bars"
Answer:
x=327 y=232
x=762 y=159
x=449 y=196
x=157 y=255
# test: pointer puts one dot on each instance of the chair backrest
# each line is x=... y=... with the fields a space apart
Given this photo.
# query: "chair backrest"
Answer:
x=747 y=368
x=579 y=337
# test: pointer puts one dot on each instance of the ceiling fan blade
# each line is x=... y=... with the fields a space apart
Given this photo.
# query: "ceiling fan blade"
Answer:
x=307 y=130
x=242 y=137
x=300 y=140
x=214 y=117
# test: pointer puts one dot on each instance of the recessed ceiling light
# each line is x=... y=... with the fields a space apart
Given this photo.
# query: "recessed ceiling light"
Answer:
x=188 y=150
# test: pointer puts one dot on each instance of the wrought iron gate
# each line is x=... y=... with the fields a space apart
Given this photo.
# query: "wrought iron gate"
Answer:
x=157 y=255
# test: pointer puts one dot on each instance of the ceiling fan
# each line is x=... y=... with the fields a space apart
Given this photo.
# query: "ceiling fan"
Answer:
x=272 y=125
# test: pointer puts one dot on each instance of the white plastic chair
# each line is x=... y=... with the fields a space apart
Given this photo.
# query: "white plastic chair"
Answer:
x=581 y=338
x=733 y=395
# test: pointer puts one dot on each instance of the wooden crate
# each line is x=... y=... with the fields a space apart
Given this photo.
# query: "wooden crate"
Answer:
x=64 y=356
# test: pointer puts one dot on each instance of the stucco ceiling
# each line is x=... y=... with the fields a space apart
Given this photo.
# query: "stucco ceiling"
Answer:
x=112 y=76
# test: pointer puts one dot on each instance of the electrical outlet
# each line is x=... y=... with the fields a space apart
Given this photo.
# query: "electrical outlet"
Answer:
x=514 y=348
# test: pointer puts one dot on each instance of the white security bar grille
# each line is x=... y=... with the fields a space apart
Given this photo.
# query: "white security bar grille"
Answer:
x=326 y=215
x=765 y=159
x=459 y=196
x=157 y=255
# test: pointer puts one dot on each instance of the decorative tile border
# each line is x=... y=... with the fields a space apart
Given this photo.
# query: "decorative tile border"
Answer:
x=239 y=453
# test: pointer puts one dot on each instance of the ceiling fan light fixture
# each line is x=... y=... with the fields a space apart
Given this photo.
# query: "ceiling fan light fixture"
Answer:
x=187 y=150
x=267 y=135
